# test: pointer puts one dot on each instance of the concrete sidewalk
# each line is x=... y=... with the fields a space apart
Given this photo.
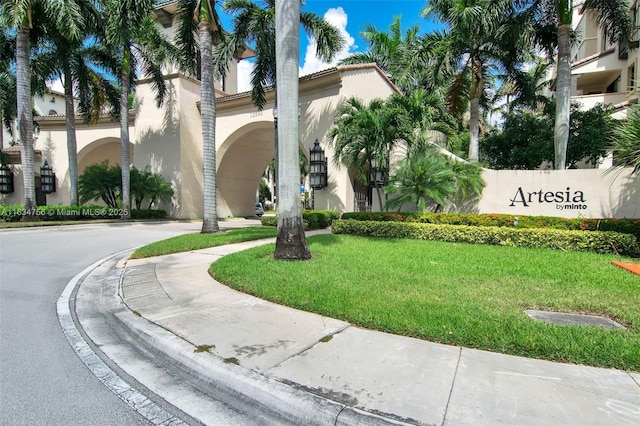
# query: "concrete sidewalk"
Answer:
x=317 y=370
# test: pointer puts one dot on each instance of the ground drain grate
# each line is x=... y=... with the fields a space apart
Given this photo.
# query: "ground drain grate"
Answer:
x=563 y=318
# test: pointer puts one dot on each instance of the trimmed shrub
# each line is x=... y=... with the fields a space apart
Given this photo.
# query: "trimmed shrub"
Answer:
x=148 y=214
x=598 y=242
x=313 y=219
x=625 y=226
x=269 y=221
x=11 y=213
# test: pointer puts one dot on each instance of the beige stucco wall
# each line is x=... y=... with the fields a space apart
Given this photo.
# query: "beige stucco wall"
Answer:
x=95 y=143
x=166 y=140
x=593 y=193
x=245 y=137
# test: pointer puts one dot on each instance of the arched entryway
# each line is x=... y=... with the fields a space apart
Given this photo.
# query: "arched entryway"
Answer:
x=100 y=150
x=242 y=160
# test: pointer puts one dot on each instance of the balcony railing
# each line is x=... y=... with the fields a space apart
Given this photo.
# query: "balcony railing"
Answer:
x=589 y=101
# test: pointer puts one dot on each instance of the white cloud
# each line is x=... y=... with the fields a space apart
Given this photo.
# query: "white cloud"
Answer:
x=56 y=85
x=338 y=18
x=245 y=68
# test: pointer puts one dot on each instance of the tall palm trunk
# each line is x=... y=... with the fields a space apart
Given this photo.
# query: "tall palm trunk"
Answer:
x=208 y=114
x=72 y=146
x=275 y=156
x=291 y=242
x=474 y=113
x=563 y=93
x=124 y=134
x=25 y=121
x=1 y=132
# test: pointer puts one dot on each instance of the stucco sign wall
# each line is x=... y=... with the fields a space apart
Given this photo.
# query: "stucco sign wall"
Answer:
x=588 y=193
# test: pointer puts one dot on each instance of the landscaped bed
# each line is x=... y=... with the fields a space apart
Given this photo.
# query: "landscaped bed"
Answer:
x=455 y=293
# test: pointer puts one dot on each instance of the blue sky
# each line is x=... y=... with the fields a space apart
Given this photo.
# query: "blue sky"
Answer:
x=351 y=17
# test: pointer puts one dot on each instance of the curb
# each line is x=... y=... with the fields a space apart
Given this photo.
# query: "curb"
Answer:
x=71 y=328
x=282 y=400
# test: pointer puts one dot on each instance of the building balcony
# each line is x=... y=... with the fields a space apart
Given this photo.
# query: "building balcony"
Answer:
x=604 y=60
x=612 y=99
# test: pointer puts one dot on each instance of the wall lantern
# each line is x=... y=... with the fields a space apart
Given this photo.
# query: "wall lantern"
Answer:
x=6 y=180
x=47 y=179
x=376 y=173
x=317 y=166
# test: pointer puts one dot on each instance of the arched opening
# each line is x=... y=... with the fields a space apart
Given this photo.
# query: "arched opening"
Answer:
x=244 y=158
x=99 y=151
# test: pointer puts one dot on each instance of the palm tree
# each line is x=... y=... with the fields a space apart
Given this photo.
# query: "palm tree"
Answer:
x=366 y=134
x=480 y=39
x=138 y=43
x=468 y=177
x=612 y=15
x=75 y=61
x=392 y=53
x=422 y=177
x=254 y=26
x=151 y=186
x=7 y=84
x=200 y=17
x=100 y=181
x=423 y=112
x=625 y=141
x=19 y=15
x=523 y=88
x=291 y=243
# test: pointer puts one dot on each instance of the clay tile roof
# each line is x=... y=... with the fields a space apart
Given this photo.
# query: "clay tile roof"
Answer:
x=15 y=150
x=593 y=57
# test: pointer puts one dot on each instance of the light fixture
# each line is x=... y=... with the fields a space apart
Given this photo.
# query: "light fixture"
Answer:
x=376 y=173
x=317 y=166
x=6 y=180
x=47 y=179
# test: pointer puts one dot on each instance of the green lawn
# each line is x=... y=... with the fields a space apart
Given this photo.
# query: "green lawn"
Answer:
x=459 y=294
x=198 y=241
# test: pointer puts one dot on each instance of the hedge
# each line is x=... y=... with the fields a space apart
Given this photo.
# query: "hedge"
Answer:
x=625 y=226
x=313 y=219
x=598 y=242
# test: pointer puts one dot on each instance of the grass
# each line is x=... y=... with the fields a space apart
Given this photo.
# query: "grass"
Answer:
x=199 y=241
x=458 y=294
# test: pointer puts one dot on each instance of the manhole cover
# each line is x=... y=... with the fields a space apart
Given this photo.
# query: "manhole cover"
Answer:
x=572 y=319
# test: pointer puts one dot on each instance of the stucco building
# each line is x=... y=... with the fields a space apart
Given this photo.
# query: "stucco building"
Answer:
x=168 y=140
x=603 y=72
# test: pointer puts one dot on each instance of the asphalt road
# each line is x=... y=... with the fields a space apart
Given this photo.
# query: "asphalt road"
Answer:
x=42 y=381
